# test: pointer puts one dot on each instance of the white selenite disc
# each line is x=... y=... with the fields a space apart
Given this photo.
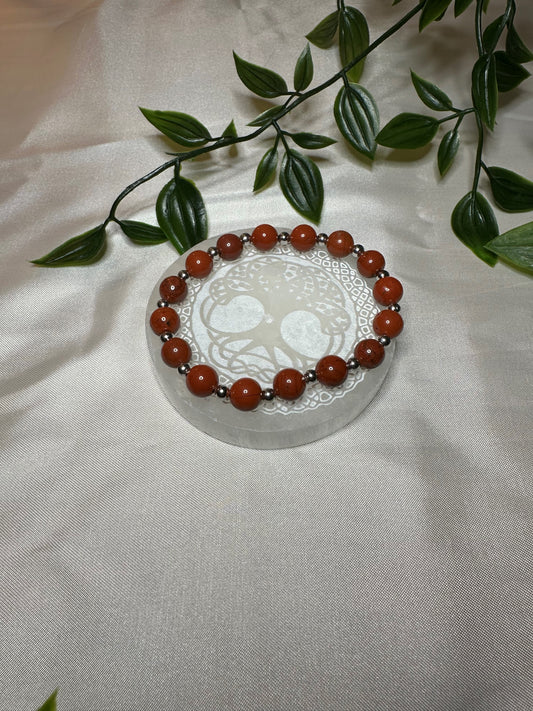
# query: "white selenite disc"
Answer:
x=261 y=313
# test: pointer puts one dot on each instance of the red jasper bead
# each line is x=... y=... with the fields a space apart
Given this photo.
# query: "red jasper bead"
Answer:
x=388 y=323
x=229 y=247
x=173 y=289
x=289 y=384
x=369 y=263
x=199 y=264
x=303 y=238
x=175 y=352
x=387 y=291
x=340 y=243
x=369 y=353
x=331 y=370
x=202 y=380
x=164 y=320
x=245 y=394
x=264 y=237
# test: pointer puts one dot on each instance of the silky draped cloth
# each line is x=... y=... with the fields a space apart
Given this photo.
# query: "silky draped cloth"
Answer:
x=146 y=566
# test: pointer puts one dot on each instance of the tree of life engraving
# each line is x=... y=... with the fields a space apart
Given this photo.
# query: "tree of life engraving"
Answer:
x=271 y=312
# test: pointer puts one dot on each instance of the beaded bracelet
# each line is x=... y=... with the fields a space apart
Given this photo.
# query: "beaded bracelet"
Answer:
x=289 y=383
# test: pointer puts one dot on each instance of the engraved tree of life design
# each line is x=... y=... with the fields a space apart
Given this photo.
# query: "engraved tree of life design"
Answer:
x=271 y=311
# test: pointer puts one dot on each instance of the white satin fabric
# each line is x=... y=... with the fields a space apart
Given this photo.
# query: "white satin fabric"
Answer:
x=146 y=566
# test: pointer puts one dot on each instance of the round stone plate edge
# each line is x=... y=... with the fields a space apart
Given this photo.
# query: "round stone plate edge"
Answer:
x=224 y=422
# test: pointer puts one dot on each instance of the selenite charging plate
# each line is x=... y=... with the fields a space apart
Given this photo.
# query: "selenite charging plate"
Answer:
x=261 y=313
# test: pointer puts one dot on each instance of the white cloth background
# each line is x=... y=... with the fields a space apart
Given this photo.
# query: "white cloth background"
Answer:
x=146 y=566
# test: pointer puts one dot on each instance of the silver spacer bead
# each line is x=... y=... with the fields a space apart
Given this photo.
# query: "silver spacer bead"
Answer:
x=382 y=274
x=166 y=336
x=284 y=237
x=268 y=394
x=221 y=391
x=162 y=303
x=184 y=368
x=310 y=376
x=384 y=340
x=394 y=307
x=245 y=237
x=358 y=249
x=352 y=363
x=183 y=274
x=321 y=238
x=213 y=252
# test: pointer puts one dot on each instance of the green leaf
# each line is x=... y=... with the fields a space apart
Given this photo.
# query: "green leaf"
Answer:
x=142 y=233
x=357 y=117
x=301 y=183
x=266 y=168
x=353 y=39
x=432 y=10
x=303 y=72
x=311 y=141
x=261 y=81
x=485 y=89
x=515 y=246
x=50 y=703
x=181 y=213
x=460 y=6
x=323 y=34
x=516 y=49
x=509 y=74
x=267 y=116
x=447 y=151
x=78 y=251
x=433 y=97
x=492 y=34
x=181 y=128
x=395 y=2
x=230 y=131
x=511 y=191
x=473 y=221
x=408 y=131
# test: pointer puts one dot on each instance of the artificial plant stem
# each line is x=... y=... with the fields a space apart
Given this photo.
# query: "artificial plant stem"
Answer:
x=509 y=11
x=136 y=184
x=458 y=114
x=479 y=27
x=479 y=153
x=285 y=109
x=280 y=135
x=180 y=157
x=460 y=120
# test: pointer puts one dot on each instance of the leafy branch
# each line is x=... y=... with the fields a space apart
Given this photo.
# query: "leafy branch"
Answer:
x=180 y=210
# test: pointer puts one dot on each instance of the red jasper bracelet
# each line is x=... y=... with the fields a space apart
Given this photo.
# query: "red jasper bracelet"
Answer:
x=289 y=383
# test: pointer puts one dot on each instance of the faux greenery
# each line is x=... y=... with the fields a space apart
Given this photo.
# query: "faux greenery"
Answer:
x=499 y=68
x=50 y=703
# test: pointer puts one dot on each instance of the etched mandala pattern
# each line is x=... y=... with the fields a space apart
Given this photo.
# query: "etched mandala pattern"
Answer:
x=278 y=309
